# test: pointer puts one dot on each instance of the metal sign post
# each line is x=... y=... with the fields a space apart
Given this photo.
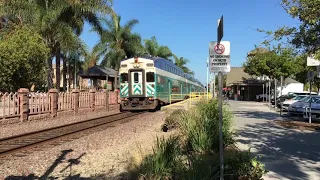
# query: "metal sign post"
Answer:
x=266 y=93
x=275 y=93
x=262 y=93
x=269 y=93
x=207 y=78
x=213 y=85
x=219 y=63
x=281 y=82
x=310 y=78
x=220 y=125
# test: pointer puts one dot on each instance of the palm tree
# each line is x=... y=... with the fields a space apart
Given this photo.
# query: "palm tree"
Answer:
x=154 y=49
x=60 y=22
x=181 y=63
x=73 y=66
x=90 y=60
x=117 y=41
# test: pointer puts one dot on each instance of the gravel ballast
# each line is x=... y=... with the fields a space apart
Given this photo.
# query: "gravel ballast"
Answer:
x=105 y=154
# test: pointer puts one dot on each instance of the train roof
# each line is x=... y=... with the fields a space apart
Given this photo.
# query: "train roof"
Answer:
x=160 y=63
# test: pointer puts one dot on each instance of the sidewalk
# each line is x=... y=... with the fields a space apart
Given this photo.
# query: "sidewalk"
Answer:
x=287 y=153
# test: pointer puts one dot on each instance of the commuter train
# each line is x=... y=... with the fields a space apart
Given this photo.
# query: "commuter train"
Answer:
x=146 y=83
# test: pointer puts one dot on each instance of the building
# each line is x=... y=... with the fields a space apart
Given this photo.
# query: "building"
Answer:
x=98 y=77
x=246 y=87
x=94 y=77
x=242 y=85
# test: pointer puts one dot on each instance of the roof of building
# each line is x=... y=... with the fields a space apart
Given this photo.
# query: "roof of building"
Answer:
x=98 y=71
x=237 y=75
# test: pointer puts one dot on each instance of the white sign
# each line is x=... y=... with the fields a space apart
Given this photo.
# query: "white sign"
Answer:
x=219 y=57
x=311 y=61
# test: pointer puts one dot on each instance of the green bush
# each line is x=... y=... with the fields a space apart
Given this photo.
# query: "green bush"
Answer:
x=195 y=154
x=244 y=165
x=172 y=121
x=164 y=162
x=201 y=127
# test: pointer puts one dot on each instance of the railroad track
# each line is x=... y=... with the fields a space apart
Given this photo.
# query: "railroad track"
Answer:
x=23 y=144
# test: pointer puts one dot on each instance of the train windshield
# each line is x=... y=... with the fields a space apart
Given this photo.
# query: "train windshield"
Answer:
x=124 y=77
x=150 y=76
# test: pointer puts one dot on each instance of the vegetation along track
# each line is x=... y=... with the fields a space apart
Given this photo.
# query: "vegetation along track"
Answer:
x=20 y=145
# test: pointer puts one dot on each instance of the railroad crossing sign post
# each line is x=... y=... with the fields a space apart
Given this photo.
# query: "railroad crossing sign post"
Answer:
x=219 y=62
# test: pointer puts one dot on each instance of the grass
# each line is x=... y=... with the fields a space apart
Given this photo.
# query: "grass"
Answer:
x=194 y=152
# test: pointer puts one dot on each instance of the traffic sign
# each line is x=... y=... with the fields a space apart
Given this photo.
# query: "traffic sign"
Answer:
x=219 y=49
x=311 y=61
x=219 y=57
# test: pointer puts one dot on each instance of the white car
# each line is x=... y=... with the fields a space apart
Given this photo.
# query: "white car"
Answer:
x=288 y=102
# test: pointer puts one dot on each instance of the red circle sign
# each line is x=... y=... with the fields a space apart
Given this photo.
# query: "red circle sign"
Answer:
x=219 y=49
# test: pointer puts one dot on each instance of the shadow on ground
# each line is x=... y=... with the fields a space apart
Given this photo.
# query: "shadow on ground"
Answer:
x=286 y=151
x=71 y=163
x=257 y=115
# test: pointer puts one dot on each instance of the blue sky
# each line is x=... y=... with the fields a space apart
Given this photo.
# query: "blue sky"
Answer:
x=188 y=26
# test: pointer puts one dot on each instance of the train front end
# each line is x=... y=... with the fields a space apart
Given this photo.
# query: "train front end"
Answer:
x=137 y=85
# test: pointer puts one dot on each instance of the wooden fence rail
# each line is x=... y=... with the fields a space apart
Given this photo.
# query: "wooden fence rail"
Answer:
x=24 y=103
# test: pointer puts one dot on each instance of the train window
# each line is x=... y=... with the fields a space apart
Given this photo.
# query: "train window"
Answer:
x=136 y=77
x=150 y=76
x=160 y=80
x=124 y=77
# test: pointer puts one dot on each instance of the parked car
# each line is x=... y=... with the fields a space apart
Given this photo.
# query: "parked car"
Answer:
x=315 y=110
x=298 y=107
x=287 y=102
x=291 y=95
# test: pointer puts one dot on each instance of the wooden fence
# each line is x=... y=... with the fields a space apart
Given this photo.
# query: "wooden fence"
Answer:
x=23 y=103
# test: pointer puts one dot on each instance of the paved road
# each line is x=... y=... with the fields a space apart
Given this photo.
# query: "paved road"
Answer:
x=287 y=153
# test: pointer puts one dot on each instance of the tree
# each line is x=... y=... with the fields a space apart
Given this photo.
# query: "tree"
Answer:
x=73 y=66
x=60 y=22
x=273 y=63
x=181 y=63
x=216 y=81
x=306 y=36
x=154 y=49
x=117 y=41
x=23 y=57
